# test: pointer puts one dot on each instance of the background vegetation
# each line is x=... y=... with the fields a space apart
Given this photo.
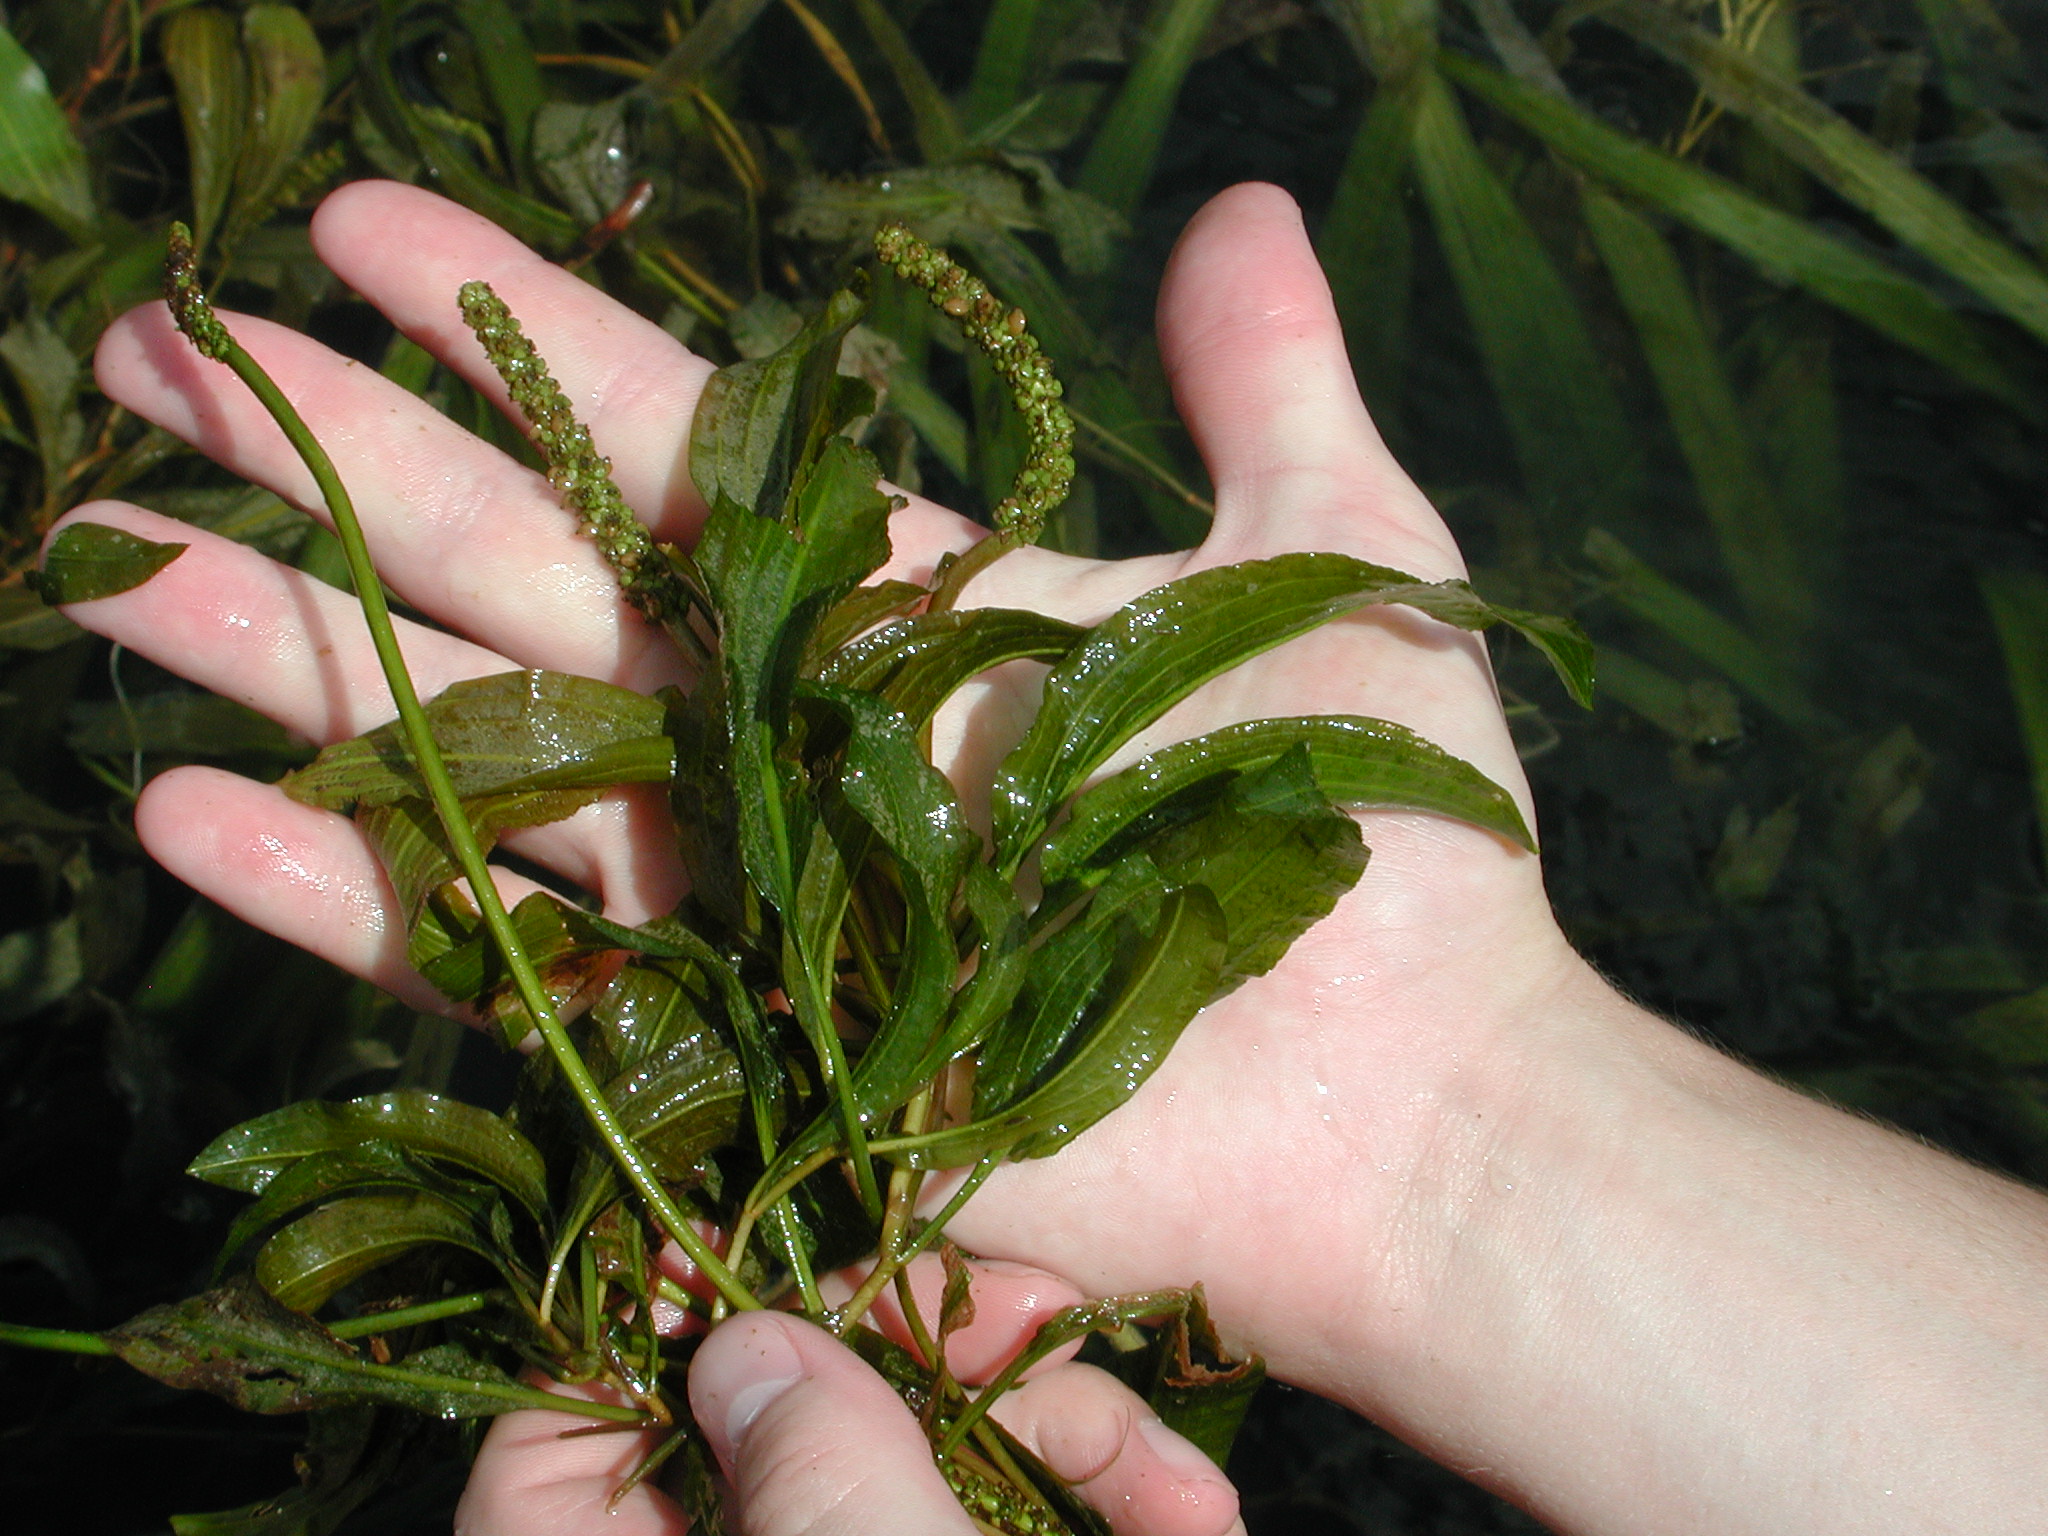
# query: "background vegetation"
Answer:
x=1719 y=324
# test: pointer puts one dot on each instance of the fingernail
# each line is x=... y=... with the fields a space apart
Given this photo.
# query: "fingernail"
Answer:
x=1181 y=1456
x=739 y=1372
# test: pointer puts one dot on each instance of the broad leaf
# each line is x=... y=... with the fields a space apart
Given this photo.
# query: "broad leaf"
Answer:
x=202 y=50
x=511 y=731
x=917 y=663
x=253 y=1153
x=42 y=163
x=1357 y=761
x=239 y=1344
x=1173 y=976
x=287 y=77
x=759 y=423
x=338 y=1243
x=1276 y=854
x=1152 y=653
x=93 y=560
x=682 y=1103
x=366 y=1165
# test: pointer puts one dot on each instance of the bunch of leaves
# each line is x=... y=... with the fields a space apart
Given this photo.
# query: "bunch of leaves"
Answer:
x=778 y=1060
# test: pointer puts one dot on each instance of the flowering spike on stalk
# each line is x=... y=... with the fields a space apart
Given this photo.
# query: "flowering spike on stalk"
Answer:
x=579 y=473
x=189 y=306
x=1000 y=331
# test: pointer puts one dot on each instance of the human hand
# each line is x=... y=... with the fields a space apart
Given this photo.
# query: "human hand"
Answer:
x=813 y=1443
x=1346 y=1068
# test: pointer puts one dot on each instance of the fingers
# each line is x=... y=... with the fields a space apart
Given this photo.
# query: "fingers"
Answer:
x=458 y=529
x=814 y=1442
x=530 y=1481
x=1102 y=1439
x=634 y=386
x=263 y=634
x=308 y=877
x=1253 y=346
x=1011 y=1301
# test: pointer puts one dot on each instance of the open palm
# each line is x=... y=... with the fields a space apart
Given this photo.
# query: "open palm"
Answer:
x=1341 y=1065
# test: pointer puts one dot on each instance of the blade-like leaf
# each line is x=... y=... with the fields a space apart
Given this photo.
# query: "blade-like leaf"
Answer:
x=1571 y=439
x=515 y=731
x=1852 y=164
x=202 y=50
x=683 y=1102
x=1173 y=976
x=92 y=560
x=1152 y=653
x=42 y=163
x=1715 y=640
x=1783 y=245
x=1120 y=160
x=917 y=663
x=251 y=1154
x=1727 y=473
x=2018 y=600
x=287 y=76
x=340 y=1242
x=1357 y=761
x=366 y=1165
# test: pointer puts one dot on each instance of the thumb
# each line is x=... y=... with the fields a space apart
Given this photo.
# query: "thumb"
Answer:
x=814 y=1443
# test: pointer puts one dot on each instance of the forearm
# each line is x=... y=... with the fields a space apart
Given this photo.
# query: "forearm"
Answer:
x=1663 y=1294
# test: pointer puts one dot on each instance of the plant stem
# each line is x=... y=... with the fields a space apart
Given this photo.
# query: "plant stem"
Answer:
x=196 y=319
x=62 y=1341
x=406 y=1317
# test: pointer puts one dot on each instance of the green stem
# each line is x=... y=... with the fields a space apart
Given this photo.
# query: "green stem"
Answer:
x=196 y=318
x=60 y=1340
x=407 y=1317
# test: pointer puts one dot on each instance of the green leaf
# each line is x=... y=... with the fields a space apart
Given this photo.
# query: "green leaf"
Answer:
x=759 y=423
x=1727 y=472
x=1783 y=245
x=1357 y=761
x=515 y=732
x=1065 y=975
x=917 y=663
x=511 y=75
x=49 y=375
x=1119 y=164
x=1170 y=979
x=87 y=561
x=1850 y=163
x=248 y=1156
x=1276 y=855
x=287 y=77
x=413 y=847
x=1571 y=439
x=308 y=1261
x=1724 y=645
x=854 y=614
x=39 y=965
x=239 y=1344
x=42 y=163
x=1366 y=246
x=202 y=50
x=1152 y=653
x=373 y=1164
x=683 y=1102
x=2018 y=600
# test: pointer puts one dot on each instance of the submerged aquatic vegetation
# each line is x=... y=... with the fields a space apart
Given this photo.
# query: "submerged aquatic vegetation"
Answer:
x=772 y=1060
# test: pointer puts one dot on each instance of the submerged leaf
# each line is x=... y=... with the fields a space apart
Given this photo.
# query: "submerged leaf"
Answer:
x=339 y=1242
x=93 y=560
x=42 y=163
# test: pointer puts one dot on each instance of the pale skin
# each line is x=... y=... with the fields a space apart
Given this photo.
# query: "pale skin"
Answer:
x=1432 y=1166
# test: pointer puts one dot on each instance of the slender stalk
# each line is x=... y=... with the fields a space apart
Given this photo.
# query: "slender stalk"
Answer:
x=196 y=319
x=407 y=1317
x=63 y=1341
